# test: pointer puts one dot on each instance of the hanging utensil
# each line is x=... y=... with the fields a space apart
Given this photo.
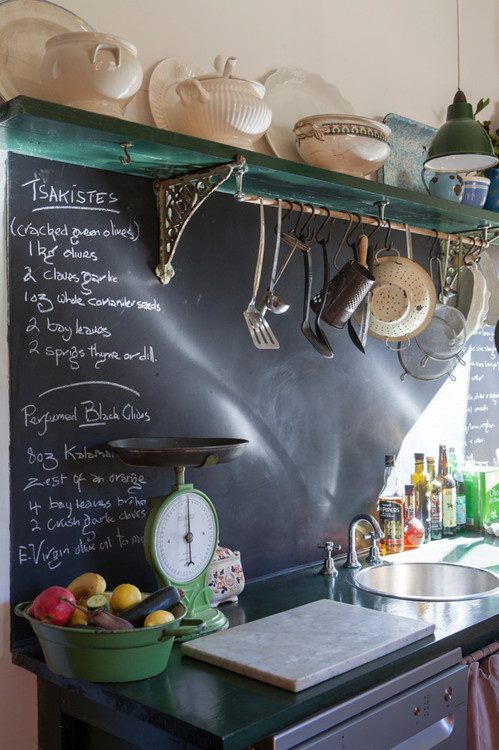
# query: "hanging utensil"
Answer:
x=362 y=248
x=402 y=300
x=270 y=300
x=306 y=328
x=261 y=333
x=345 y=291
x=318 y=330
x=416 y=364
x=323 y=242
x=445 y=335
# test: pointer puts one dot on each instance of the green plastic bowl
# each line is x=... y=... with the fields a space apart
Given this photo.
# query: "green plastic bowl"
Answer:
x=106 y=655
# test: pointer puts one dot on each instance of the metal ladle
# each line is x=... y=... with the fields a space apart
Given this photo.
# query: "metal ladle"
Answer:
x=270 y=300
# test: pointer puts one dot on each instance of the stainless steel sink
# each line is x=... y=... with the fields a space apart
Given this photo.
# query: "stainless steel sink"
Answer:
x=435 y=582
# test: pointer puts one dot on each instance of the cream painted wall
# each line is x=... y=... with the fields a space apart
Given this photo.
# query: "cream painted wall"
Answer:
x=384 y=56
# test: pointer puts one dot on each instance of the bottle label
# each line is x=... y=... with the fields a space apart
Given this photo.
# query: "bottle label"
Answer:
x=449 y=507
x=436 y=511
x=461 y=510
x=409 y=508
x=391 y=522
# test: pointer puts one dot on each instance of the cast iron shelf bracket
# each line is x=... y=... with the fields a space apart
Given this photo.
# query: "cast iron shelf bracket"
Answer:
x=179 y=198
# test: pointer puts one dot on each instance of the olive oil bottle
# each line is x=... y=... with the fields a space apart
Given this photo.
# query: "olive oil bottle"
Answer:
x=421 y=483
x=460 y=491
x=435 y=500
x=448 y=494
x=391 y=511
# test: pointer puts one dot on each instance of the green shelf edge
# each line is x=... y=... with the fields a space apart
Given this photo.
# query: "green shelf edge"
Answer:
x=51 y=131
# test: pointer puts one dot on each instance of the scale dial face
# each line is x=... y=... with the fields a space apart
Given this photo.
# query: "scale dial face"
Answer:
x=185 y=536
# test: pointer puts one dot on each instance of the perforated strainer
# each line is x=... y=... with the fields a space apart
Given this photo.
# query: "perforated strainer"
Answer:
x=445 y=335
x=402 y=299
x=418 y=365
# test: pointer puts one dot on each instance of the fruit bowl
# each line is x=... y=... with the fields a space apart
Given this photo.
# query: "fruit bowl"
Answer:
x=343 y=143
x=86 y=653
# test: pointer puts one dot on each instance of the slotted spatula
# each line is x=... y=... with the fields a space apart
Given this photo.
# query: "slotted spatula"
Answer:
x=261 y=333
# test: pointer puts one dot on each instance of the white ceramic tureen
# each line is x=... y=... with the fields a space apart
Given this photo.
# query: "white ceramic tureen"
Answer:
x=93 y=71
x=221 y=107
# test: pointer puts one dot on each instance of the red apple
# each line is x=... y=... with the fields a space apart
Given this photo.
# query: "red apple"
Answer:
x=50 y=606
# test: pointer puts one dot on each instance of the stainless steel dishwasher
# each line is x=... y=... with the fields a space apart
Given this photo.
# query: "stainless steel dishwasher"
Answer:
x=422 y=709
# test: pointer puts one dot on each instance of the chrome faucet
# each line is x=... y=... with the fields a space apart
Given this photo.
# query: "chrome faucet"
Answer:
x=374 y=556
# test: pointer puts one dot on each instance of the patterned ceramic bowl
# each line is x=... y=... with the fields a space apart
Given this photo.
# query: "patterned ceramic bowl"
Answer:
x=343 y=143
x=475 y=191
x=225 y=576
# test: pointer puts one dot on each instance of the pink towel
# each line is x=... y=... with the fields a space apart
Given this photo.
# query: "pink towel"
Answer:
x=483 y=704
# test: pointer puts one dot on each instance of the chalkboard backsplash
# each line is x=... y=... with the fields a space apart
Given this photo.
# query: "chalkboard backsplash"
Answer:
x=99 y=350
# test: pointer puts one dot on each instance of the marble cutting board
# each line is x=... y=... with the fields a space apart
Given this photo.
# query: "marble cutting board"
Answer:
x=309 y=644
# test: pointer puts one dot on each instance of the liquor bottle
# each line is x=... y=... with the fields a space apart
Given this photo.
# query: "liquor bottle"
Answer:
x=460 y=491
x=448 y=494
x=421 y=483
x=435 y=500
x=391 y=511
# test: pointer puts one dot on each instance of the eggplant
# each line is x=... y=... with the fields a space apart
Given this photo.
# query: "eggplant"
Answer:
x=165 y=598
x=107 y=621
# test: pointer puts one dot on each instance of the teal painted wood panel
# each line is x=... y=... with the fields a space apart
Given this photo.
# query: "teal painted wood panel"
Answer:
x=51 y=131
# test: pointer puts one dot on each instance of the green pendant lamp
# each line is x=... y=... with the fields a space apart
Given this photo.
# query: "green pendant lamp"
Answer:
x=460 y=144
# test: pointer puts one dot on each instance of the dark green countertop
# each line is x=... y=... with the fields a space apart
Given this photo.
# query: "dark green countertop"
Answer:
x=213 y=708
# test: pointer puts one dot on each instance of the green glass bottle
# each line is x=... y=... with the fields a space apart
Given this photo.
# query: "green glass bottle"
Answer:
x=460 y=491
x=448 y=494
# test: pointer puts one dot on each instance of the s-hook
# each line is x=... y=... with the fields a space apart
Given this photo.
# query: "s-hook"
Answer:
x=328 y=218
x=381 y=205
x=126 y=159
x=240 y=170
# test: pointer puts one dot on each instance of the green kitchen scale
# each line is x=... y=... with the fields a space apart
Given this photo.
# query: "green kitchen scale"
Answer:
x=181 y=532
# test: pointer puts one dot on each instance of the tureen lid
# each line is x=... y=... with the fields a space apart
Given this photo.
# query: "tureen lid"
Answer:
x=223 y=69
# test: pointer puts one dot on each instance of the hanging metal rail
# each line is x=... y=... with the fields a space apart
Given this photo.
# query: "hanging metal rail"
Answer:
x=180 y=196
x=346 y=216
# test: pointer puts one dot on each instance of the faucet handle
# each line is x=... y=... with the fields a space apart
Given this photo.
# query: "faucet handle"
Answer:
x=374 y=555
x=330 y=546
x=328 y=568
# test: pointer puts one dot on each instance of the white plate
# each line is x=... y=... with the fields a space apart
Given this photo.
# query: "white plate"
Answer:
x=293 y=93
x=488 y=268
x=163 y=97
x=473 y=298
x=25 y=26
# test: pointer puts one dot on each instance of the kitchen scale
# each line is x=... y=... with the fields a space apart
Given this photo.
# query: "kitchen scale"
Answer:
x=181 y=532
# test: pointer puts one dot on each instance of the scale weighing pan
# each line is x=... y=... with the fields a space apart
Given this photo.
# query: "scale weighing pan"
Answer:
x=178 y=451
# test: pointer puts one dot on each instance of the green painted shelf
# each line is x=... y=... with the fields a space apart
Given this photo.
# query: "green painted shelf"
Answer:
x=51 y=131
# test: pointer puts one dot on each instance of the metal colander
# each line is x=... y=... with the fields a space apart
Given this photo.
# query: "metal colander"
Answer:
x=403 y=299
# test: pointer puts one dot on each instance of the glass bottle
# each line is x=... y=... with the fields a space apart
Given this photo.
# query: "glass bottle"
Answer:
x=413 y=528
x=421 y=483
x=409 y=503
x=435 y=500
x=448 y=494
x=391 y=511
x=460 y=491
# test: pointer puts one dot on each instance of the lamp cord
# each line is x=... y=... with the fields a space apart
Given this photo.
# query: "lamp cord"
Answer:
x=458 y=47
